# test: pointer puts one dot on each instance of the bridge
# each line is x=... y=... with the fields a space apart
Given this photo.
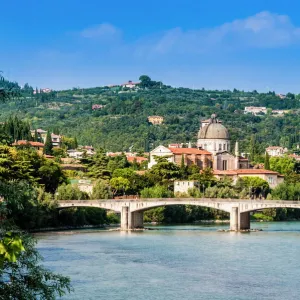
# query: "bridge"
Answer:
x=132 y=210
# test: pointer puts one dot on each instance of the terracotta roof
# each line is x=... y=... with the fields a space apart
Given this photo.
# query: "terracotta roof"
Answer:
x=189 y=151
x=245 y=171
x=24 y=142
x=138 y=159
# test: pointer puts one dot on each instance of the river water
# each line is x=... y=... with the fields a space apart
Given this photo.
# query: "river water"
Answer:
x=179 y=263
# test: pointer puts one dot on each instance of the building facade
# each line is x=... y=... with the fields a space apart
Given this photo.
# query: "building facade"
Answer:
x=276 y=151
x=190 y=156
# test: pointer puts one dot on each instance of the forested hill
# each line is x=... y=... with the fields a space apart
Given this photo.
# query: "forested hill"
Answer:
x=122 y=121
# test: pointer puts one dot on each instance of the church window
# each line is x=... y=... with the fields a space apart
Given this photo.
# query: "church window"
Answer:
x=224 y=164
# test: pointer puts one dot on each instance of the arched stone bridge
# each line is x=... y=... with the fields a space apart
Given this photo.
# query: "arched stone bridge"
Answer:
x=132 y=210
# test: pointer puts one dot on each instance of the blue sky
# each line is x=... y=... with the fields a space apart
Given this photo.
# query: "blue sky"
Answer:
x=192 y=43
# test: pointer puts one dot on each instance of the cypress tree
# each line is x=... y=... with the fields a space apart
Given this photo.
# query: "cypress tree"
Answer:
x=48 y=144
x=267 y=161
x=75 y=143
x=36 y=137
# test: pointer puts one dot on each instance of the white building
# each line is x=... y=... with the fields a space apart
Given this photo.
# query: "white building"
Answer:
x=255 y=110
x=183 y=186
x=276 y=151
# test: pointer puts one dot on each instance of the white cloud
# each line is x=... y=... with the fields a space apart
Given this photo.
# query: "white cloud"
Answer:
x=101 y=31
x=263 y=30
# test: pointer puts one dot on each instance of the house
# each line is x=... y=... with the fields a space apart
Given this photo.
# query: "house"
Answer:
x=272 y=177
x=295 y=156
x=97 y=106
x=255 y=110
x=36 y=145
x=281 y=96
x=155 y=120
x=279 y=112
x=183 y=186
x=56 y=140
x=130 y=84
x=42 y=135
x=276 y=151
x=75 y=153
x=190 y=156
x=137 y=159
x=130 y=156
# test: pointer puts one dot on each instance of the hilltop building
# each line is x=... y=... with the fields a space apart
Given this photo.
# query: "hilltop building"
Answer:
x=42 y=134
x=255 y=110
x=155 y=120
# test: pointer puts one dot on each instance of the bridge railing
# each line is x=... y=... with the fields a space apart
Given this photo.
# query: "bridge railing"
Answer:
x=219 y=200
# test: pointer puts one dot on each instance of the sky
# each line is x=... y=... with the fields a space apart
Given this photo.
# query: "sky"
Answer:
x=214 y=44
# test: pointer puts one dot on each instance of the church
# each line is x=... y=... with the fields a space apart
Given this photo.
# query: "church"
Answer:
x=214 y=151
x=214 y=137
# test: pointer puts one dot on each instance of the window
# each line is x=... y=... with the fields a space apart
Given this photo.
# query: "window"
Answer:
x=220 y=146
x=224 y=164
x=205 y=146
x=270 y=179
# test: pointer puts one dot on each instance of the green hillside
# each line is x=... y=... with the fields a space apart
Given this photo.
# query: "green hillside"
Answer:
x=122 y=122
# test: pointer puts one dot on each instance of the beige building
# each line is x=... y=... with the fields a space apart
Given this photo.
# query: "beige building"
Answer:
x=273 y=178
x=191 y=156
x=276 y=151
x=155 y=120
x=255 y=110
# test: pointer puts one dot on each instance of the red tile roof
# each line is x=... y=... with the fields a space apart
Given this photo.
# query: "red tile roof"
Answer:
x=138 y=159
x=244 y=171
x=189 y=151
x=24 y=142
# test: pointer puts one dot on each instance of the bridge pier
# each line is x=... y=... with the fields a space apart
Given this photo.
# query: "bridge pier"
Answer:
x=239 y=221
x=131 y=220
x=124 y=217
x=136 y=220
x=244 y=221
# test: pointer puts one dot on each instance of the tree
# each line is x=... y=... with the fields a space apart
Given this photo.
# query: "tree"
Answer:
x=267 y=161
x=145 y=81
x=119 y=184
x=283 y=165
x=36 y=136
x=98 y=166
x=165 y=171
x=101 y=190
x=70 y=192
x=23 y=277
x=48 y=144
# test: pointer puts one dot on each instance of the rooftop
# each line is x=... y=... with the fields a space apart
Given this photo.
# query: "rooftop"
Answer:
x=189 y=151
x=245 y=171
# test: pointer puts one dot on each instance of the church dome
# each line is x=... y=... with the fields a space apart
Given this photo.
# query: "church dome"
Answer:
x=213 y=130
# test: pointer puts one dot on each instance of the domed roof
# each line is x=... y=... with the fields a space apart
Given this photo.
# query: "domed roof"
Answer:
x=214 y=130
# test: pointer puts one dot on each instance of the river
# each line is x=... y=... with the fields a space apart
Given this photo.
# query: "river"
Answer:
x=184 y=262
